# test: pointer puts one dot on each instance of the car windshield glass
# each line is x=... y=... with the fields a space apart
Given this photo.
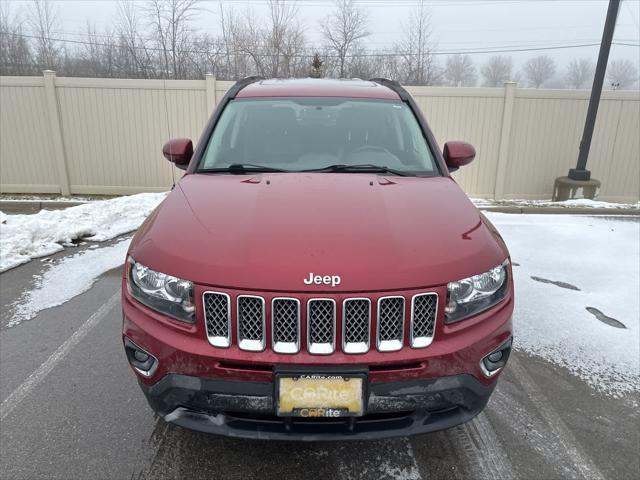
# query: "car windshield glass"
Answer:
x=296 y=134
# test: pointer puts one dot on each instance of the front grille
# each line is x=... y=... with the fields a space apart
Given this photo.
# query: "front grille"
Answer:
x=356 y=321
x=251 y=334
x=289 y=320
x=218 y=318
x=390 y=323
x=321 y=317
x=285 y=321
x=423 y=319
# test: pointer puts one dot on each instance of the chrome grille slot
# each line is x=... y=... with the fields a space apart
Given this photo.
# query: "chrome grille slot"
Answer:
x=217 y=314
x=321 y=328
x=390 y=332
x=356 y=322
x=285 y=322
x=423 y=319
x=251 y=331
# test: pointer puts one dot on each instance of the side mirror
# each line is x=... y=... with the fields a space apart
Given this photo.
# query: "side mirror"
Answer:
x=178 y=151
x=458 y=154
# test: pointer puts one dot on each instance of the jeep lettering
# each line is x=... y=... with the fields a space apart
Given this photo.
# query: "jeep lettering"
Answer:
x=333 y=280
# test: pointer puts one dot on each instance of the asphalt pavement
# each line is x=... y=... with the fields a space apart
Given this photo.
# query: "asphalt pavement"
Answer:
x=70 y=408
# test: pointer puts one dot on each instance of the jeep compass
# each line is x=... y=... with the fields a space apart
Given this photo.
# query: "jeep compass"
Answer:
x=317 y=273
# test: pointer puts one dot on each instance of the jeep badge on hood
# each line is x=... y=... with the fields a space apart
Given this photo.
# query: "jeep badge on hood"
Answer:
x=333 y=280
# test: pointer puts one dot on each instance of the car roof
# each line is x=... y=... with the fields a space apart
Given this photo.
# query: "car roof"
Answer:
x=318 y=87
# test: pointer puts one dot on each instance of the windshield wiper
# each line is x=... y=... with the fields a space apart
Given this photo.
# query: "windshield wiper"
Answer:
x=361 y=168
x=242 y=168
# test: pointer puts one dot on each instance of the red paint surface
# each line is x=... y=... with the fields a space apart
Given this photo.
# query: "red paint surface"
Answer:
x=221 y=230
x=457 y=154
x=178 y=151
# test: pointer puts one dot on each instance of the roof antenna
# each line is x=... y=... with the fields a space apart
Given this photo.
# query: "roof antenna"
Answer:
x=166 y=112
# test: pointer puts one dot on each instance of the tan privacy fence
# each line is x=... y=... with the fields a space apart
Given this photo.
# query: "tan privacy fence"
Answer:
x=104 y=136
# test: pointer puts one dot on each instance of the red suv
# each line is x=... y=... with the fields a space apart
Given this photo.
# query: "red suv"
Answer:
x=317 y=273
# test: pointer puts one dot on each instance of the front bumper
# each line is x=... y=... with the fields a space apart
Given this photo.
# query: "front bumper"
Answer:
x=230 y=392
x=246 y=409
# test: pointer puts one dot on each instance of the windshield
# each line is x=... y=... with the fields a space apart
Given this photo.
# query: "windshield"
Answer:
x=313 y=133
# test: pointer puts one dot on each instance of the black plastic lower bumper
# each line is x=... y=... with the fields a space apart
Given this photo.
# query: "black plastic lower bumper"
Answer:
x=247 y=410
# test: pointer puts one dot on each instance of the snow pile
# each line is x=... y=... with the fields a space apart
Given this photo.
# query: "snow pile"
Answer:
x=602 y=258
x=22 y=197
x=68 y=278
x=23 y=237
x=575 y=203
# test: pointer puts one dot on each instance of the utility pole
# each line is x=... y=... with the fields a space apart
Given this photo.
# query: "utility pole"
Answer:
x=581 y=172
x=579 y=178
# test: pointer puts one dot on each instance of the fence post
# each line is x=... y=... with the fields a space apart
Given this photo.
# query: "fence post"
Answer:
x=505 y=136
x=211 y=92
x=53 y=115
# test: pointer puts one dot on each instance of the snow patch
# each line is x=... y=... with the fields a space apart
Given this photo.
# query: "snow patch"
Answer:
x=18 y=197
x=23 y=237
x=68 y=278
x=388 y=470
x=601 y=256
x=575 y=203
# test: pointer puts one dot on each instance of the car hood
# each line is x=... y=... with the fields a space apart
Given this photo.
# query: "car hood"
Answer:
x=270 y=231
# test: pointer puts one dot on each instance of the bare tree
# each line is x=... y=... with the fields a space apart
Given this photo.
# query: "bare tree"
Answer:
x=230 y=25
x=208 y=57
x=271 y=46
x=134 y=58
x=622 y=74
x=15 y=52
x=579 y=73
x=171 y=21
x=497 y=70
x=249 y=40
x=97 y=58
x=362 y=63
x=342 y=29
x=416 y=49
x=43 y=22
x=294 y=56
x=284 y=39
x=390 y=65
x=460 y=71
x=538 y=70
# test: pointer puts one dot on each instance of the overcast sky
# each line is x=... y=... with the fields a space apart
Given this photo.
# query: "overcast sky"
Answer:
x=458 y=25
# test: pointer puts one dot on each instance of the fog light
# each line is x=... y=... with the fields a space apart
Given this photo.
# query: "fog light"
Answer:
x=496 y=360
x=141 y=356
x=141 y=361
x=495 y=356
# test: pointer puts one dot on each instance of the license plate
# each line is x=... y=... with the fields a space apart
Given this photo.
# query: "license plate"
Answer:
x=319 y=395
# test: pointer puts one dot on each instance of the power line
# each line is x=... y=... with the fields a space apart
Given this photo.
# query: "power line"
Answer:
x=515 y=42
x=309 y=55
x=500 y=43
x=396 y=3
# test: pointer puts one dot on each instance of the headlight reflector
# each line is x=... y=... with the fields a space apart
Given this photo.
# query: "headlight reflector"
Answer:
x=472 y=295
x=159 y=291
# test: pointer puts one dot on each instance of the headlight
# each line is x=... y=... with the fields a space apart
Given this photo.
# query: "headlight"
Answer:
x=474 y=294
x=164 y=293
